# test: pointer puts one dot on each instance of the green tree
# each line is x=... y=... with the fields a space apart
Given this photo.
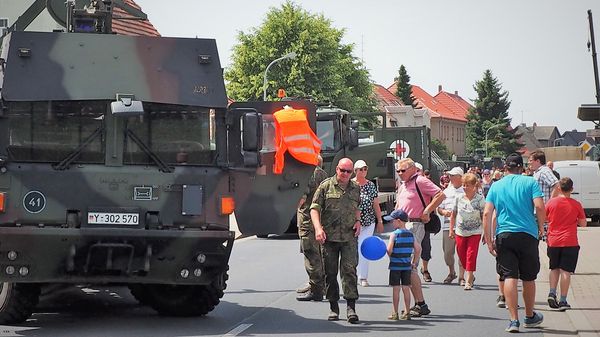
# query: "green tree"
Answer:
x=440 y=148
x=404 y=88
x=490 y=114
x=324 y=69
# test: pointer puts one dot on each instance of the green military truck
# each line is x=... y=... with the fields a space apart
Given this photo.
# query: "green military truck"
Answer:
x=381 y=148
x=120 y=163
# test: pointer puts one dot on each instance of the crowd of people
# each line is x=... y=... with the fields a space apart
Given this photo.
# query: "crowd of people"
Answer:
x=508 y=209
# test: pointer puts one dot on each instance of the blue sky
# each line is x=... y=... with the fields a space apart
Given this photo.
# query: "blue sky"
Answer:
x=536 y=48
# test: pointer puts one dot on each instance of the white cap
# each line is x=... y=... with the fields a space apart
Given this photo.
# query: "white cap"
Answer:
x=456 y=171
x=359 y=164
x=419 y=166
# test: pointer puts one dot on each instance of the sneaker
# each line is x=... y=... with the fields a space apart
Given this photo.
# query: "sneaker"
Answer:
x=563 y=305
x=419 y=310
x=405 y=316
x=501 y=301
x=552 y=302
x=393 y=316
x=531 y=322
x=450 y=278
x=513 y=326
x=364 y=283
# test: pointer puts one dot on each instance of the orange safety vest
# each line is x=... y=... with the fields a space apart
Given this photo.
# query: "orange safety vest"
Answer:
x=293 y=134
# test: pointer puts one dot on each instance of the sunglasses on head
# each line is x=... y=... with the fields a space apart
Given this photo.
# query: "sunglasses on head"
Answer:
x=344 y=171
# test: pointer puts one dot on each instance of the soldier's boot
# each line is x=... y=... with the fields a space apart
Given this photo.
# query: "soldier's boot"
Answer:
x=334 y=313
x=303 y=289
x=310 y=296
x=351 y=312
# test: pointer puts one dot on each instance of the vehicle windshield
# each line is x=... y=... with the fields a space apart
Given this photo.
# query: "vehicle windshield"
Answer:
x=51 y=131
x=176 y=134
x=326 y=132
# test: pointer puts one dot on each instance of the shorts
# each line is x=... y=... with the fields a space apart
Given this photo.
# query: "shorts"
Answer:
x=518 y=256
x=564 y=258
x=400 y=277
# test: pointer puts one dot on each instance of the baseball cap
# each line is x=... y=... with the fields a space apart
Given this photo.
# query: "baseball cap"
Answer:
x=397 y=214
x=456 y=171
x=514 y=160
x=419 y=166
x=359 y=164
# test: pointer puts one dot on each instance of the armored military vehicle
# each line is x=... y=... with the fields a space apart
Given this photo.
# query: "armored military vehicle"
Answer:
x=120 y=162
x=381 y=148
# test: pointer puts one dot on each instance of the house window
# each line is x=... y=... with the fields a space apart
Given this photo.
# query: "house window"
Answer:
x=3 y=26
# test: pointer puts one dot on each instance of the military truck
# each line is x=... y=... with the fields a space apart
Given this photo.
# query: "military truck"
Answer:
x=381 y=148
x=120 y=163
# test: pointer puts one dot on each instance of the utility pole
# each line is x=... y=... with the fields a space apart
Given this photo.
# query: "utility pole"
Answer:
x=593 y=42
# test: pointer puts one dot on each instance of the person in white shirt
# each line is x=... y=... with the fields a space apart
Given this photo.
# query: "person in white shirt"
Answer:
x=445 y=210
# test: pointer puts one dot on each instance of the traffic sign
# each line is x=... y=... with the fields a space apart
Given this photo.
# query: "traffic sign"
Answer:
x=592 y=133
x=586 y=146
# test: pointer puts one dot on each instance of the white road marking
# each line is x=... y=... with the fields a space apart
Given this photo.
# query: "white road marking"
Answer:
x=239 y=329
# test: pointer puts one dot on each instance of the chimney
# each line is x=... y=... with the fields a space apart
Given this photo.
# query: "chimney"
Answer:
x=456 y=92
x=440 y=88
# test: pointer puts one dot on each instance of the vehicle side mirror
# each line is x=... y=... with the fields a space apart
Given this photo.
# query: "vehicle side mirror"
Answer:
x=251 y=138
x=353 y=138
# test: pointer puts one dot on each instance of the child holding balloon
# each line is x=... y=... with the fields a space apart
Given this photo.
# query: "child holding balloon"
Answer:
x=404 y=252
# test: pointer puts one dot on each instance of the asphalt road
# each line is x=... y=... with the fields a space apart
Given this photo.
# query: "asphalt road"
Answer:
x=260 y=301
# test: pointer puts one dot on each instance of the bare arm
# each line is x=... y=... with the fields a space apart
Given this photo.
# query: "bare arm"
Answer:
x=379 y=225
x=540 y=213
x=435 y=202
x=417 y=255
x=390 y=245
x=452 y=224
x=488 y=214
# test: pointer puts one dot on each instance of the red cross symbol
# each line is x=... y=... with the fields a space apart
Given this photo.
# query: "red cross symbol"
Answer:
x=400 y=149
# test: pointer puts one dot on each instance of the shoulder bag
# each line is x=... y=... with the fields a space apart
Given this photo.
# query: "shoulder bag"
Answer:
x=434 y=225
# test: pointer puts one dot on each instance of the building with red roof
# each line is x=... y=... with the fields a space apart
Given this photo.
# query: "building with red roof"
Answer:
x=448 y=113
x=127 y=25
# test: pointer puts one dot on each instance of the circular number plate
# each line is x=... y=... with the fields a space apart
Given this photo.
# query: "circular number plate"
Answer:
x=34 y=201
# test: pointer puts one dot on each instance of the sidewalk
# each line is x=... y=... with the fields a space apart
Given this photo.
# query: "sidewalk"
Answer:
x=584 y=296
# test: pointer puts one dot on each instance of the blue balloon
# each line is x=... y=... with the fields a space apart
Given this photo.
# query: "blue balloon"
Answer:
x=373 y=248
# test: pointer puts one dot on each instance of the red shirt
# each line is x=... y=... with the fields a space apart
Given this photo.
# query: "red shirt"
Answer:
x=562 y=215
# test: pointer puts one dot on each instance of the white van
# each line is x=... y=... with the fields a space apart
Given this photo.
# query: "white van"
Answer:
x=586 y=183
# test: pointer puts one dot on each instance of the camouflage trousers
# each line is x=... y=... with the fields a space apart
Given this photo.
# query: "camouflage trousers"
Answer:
x=313 y=262
x=342 y=256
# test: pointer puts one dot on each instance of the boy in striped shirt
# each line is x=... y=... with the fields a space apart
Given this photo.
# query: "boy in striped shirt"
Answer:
x=404 y=252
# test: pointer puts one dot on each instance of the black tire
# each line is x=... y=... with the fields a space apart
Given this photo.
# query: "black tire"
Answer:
x=139 y=292
x=185 y=301
x=262 y=236
x=17 y=301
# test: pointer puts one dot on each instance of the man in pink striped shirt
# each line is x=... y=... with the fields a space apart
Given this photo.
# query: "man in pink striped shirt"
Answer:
x=408 y=200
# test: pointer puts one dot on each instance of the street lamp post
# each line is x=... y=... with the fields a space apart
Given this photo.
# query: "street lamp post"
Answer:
x=486 y=137
x=291 y=55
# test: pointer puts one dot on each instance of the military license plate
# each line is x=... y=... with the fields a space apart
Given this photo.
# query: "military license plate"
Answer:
x=106 y=218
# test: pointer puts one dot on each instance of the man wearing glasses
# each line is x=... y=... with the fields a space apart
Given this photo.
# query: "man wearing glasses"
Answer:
x=336 y=217
x=408 y=200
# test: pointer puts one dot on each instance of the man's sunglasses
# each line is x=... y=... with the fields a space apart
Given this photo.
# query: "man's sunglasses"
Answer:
x=344 y=171
x=401 y=171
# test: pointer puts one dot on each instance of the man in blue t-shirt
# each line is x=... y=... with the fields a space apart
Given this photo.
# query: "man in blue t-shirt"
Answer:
x=516 y=237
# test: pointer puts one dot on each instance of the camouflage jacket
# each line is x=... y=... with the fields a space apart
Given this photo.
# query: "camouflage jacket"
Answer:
x=338 y=208
x=304 y=223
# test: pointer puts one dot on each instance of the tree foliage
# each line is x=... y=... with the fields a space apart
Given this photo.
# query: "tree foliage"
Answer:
x=440 y=148
x=324 y=69
x=404 y=88
x=490 y=114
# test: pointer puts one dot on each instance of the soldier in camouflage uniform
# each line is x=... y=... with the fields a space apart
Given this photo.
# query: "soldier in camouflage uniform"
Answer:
x=313 y=261
x=336 y=218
